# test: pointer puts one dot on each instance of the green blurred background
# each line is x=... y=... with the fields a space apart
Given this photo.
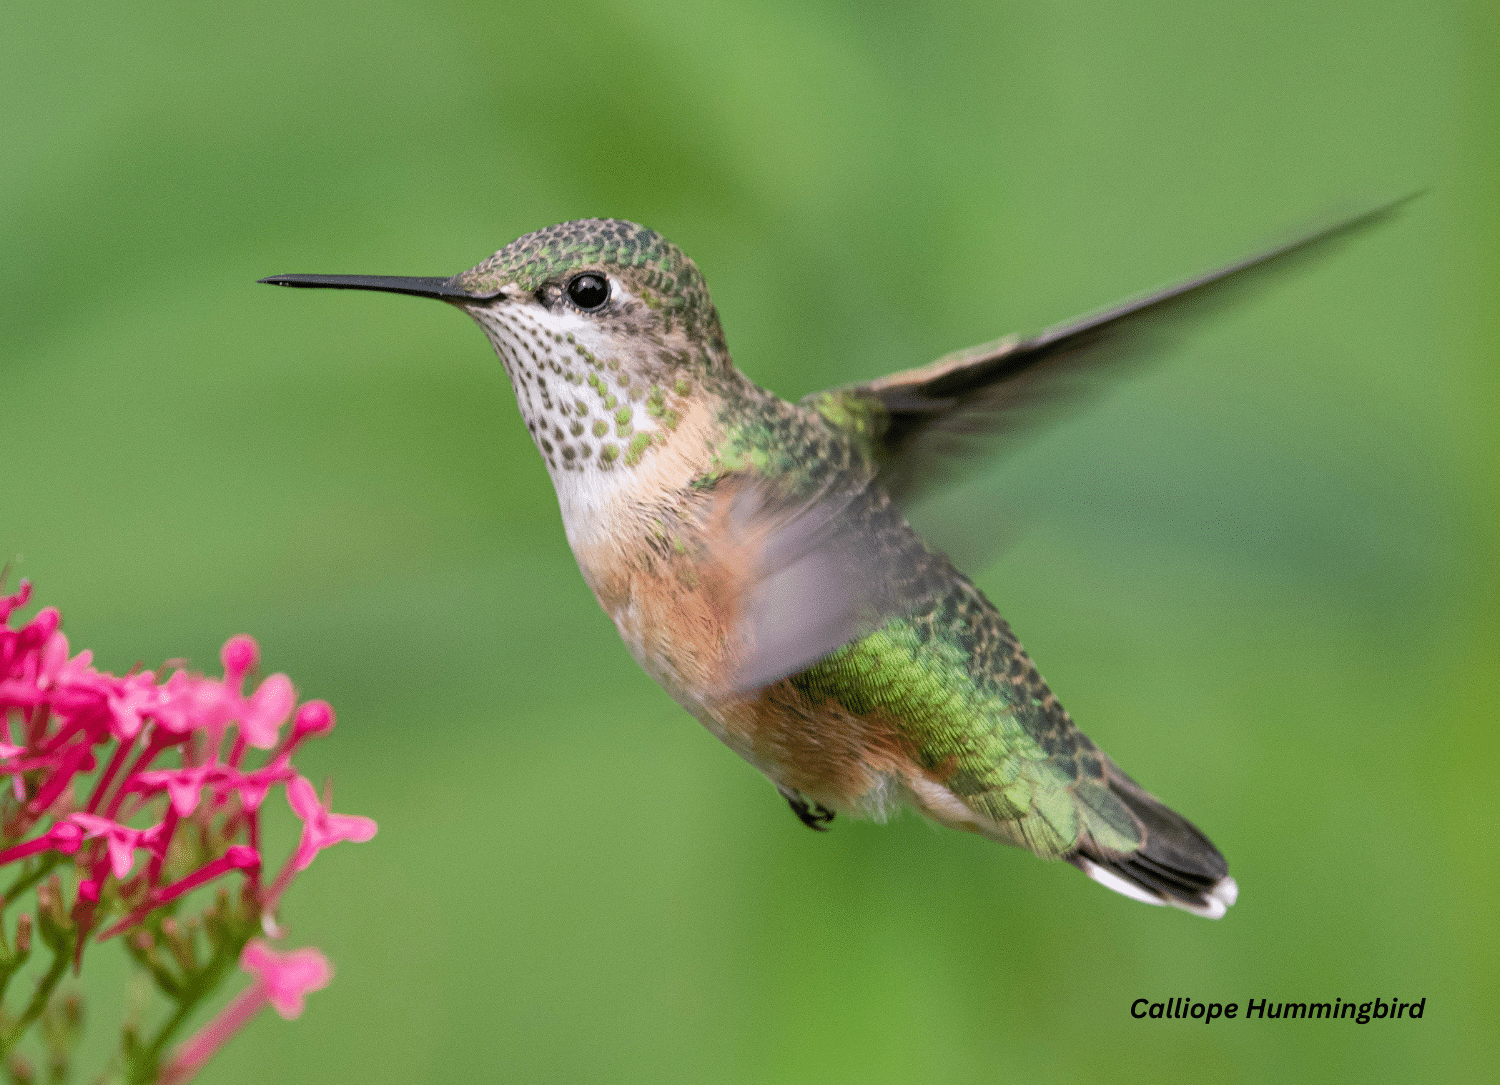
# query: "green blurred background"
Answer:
x=1262 y=574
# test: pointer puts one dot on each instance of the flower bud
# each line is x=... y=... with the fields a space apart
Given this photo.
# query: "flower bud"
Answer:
x=66 y=837
x=241 y=857
x=72 y=1014
x=51 y=916
x=240 y=656
x=313 y=718
x=44 y=624
x=21 y=1071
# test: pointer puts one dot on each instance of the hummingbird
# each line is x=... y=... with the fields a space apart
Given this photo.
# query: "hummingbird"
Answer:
x=756 y=557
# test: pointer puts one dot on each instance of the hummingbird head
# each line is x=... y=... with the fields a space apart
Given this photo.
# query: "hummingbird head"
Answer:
x=605 y=328
x=619 y=276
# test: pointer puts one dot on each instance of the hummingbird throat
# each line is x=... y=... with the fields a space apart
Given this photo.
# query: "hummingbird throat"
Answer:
x=588 y=409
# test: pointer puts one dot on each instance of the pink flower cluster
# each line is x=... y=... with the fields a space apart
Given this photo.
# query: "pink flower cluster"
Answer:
x=177 y=803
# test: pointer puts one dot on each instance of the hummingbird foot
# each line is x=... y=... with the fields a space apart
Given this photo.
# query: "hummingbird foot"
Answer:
x=814 y=815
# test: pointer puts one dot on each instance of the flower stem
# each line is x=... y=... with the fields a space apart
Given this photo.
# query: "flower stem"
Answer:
x=156 y=745
x=26 y=881
x=38 y=1003
x=146 y=1068
x=238 y=857
x=108 y=776
x=199 y=1048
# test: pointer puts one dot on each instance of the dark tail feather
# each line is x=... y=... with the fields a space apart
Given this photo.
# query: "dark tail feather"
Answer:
x=1174 y=864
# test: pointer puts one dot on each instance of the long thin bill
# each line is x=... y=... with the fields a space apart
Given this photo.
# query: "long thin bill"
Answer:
x=394 y=284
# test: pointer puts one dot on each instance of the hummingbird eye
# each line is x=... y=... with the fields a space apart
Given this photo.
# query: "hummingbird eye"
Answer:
x=588 y=291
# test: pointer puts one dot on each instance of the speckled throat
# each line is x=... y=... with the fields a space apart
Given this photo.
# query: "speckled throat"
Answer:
x=587 y=407
x=623 y=398
x=599 y=389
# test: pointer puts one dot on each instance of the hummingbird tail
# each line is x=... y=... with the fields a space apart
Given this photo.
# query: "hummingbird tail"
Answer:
x=1174 y=864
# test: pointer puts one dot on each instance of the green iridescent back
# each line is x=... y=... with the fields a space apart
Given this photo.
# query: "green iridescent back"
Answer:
x=981 y=721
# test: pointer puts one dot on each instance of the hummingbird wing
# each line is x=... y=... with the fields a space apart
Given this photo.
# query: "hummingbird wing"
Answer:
x=811 y=569
x=921 y=424
x=819 y=567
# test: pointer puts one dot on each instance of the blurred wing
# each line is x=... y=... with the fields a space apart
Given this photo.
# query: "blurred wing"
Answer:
x=812 y=572
x=922 y=423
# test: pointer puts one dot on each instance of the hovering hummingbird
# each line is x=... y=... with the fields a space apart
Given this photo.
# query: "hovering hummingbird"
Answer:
x=755 y=557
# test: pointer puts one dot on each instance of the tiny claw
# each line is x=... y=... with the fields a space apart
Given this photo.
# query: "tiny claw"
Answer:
x=814 y=815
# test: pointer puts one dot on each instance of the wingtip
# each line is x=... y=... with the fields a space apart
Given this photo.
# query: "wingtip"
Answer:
x=1376 y=213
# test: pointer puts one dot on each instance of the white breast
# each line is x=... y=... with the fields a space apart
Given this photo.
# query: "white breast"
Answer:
x=591 y=420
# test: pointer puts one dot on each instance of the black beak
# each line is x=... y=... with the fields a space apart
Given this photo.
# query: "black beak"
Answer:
x=396 y=284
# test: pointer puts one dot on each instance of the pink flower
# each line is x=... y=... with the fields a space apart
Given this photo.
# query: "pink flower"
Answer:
x=57 y=672
x=136 y=697
x=183 y=785
x=263 y=714
x=188 y=704
x=286 y=977
x=9 y=603
x=282 y=979
x=120 y=840
x=313 y=718
x=253 y=786
x=240 y=656
x=321 y=828
x=60 y=718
